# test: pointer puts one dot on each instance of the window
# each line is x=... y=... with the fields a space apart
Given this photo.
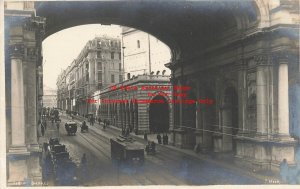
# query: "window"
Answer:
x=99 y=65
x=120 y=67
x=87 y=76
x=138 y=44
x=112 y=78
x=112 y=55
x=98 y=54
x=111 y=43
x=98 y=44
x=100 y=77
x=120 y=78
x=119 y=56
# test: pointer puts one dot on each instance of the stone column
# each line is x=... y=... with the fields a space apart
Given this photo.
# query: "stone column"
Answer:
x=199 y=130
x=17 y=152
x=241 y=98
x=262 y=95
x=283 y=98
x=17 y=100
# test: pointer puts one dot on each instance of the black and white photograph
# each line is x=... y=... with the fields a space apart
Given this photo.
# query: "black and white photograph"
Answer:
x=154 y=93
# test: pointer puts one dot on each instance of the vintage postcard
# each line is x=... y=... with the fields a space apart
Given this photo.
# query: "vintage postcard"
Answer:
x=150 y=93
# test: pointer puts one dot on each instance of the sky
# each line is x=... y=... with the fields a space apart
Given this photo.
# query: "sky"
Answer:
x=61 y=48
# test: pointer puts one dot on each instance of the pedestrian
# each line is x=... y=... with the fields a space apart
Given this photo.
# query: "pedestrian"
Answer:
x=158 y=138
x=284 y=169
x=44 y=123
x=57 y=126
x=84 y=166
x=127 y=131
x=42 y=130
x=145 y=136
x=92 y=120
x=164 y=139
x=153 y=146
x=148 y=147
x=167 y=139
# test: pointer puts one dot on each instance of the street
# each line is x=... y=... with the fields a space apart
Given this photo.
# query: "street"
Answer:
x=167 y=167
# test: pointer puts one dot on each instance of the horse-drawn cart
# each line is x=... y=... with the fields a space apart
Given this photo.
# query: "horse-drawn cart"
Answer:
x=71 y=128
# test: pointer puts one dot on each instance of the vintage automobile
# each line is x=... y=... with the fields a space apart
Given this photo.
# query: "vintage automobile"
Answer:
x=71 y=128
x=125 y=149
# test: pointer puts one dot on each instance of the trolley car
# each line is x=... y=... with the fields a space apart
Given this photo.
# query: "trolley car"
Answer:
x=126 y=150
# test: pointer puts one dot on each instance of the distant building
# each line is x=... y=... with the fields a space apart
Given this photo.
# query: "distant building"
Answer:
x=50 y=97
x=97 y=66
x=144 y=53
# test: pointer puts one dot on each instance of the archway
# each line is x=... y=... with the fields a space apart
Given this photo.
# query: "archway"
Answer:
x=159 y=116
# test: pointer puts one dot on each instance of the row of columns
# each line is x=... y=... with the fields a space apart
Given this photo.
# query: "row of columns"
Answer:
x=265 y=94
x=123 y=117
x=263 y=76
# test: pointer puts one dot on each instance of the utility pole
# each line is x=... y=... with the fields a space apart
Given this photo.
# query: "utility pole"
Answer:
x=123 y=71
x=149 y=49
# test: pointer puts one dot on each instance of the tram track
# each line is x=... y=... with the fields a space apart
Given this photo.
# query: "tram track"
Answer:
x=92 y=143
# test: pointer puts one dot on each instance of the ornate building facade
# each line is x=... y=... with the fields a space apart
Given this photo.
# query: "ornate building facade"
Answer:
x=98 y=65
x=128 y=104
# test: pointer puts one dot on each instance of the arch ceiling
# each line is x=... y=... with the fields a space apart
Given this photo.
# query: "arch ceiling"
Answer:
x=187 y=27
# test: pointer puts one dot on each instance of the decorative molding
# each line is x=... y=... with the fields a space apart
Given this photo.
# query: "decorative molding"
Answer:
x=17 y=49
x=281 y=57
x=263 y=60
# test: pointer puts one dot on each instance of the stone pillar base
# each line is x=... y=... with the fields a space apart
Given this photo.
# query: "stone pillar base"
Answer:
x=178 y=137
x=17 y=166
x=217 y=143
x=260 y=154
x=35 y=148
x=171 y=138
x=18 y=150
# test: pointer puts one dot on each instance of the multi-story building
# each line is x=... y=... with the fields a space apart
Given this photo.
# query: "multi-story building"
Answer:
x=98 y=65
x=143 y=53
x=49 y=97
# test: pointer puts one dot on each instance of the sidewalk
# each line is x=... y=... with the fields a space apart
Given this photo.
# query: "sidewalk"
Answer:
x=226 y=162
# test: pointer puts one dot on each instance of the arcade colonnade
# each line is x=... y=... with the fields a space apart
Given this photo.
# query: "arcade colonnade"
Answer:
x=124 y=108
x=250 y=81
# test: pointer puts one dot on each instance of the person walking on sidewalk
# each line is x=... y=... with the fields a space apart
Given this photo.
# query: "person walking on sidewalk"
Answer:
x=167 y=139
x=57 y=126
x=158 y=138
x=145 y=136
x=42 y=130
x=44 y=123
x=92 y=120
